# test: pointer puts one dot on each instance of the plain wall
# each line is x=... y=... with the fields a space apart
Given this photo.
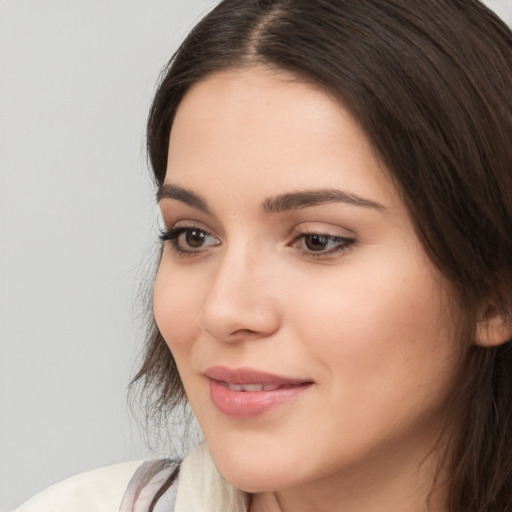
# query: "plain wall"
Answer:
x=77 y=226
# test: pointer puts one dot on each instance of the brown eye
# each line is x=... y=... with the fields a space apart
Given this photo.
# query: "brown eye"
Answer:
x=316 y=242
x=189 y=240
x=319 y=244
x=195 y=238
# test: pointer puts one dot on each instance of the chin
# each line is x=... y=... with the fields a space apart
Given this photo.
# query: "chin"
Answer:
x=255 y=480
x=257 y=470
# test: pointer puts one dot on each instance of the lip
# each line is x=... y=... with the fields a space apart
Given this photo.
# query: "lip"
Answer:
x=246 y=404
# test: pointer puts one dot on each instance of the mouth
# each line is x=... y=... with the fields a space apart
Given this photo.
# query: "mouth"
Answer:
x=245 y=392
x=256 y=387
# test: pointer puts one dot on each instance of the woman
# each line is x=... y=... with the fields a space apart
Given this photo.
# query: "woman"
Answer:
x=334 y=291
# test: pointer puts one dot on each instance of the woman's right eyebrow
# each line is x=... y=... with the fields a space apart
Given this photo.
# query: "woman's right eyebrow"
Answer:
x=170 y=191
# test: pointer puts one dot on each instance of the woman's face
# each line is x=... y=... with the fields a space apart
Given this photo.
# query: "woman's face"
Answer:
x=313 y=335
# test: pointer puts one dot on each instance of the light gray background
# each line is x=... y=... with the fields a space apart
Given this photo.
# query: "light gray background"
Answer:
x=77 y=226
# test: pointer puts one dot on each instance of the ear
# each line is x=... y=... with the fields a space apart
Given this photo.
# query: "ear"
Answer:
x=493 y=327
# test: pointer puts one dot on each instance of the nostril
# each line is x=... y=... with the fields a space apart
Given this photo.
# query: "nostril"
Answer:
x=245 y=332
x=234 y=336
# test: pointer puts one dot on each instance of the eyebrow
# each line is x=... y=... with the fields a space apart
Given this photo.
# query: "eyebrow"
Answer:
x=277 y=204
x=308 y=198
x=168 y=191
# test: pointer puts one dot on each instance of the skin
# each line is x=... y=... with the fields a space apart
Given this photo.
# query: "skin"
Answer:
x=368 y=321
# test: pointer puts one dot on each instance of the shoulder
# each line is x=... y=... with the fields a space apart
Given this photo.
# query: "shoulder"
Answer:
x=152 y=487
x=99 y=490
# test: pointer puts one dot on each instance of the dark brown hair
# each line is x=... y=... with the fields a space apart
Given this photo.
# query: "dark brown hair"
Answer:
x=430 y=82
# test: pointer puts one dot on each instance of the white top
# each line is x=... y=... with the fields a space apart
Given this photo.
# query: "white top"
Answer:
x=200 y=488
x=99 y=490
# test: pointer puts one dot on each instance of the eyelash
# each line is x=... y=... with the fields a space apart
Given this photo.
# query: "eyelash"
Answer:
x=173 y=235
x=342 y=244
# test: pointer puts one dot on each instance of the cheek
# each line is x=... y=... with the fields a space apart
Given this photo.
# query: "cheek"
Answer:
x=382 y=325
x=175 y=306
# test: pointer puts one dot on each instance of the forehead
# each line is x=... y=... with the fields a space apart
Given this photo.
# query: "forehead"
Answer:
x=257 y=97
x=245 y=128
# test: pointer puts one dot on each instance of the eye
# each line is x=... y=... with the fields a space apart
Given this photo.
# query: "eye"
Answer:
x=188 y=240
x=319 y=244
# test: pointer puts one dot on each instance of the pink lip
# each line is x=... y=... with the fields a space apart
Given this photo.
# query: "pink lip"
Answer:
x=246 y=404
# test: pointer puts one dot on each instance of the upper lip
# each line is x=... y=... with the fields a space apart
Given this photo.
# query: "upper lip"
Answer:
x=248 y=376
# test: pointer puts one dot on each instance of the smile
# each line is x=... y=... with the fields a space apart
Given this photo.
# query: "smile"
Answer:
x=246 y=393
x=254 y=387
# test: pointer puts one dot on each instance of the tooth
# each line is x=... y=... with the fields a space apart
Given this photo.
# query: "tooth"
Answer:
x=235 y=387
x=252 y=387
x=270 y=387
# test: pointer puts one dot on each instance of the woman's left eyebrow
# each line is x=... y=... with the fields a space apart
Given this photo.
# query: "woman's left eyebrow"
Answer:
x=308 y=198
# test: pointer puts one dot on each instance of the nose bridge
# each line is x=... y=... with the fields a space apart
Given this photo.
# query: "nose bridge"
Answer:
x=240 y=301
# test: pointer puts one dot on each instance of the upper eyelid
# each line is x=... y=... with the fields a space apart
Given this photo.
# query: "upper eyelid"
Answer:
x=172 y=217
x=305 y=228
x=323 y=228
x=174 y=211
x=187 y=224
x=173 y=208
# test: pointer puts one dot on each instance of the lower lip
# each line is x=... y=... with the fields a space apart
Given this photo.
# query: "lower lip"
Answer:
x=247 y=404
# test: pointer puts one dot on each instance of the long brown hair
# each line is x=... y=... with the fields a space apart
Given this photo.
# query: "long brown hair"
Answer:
x=430 y=82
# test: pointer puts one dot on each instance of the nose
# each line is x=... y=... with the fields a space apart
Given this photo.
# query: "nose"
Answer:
x=241 y=302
